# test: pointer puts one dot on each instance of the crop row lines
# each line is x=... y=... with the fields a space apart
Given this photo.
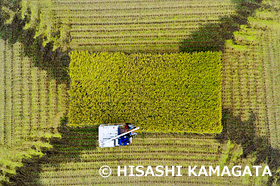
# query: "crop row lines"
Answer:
x=113 y=1
x=252 y=80
x=77 y=149
x=131 y=36
x=178 y=141
x=35 y=104
x=256 y=82
x=115 y=180
x=274 y=65
x=89 y=144
x=196 y=3
x=133 y=161
x=27 y=100
x=88 y=131
x=235 y=78
x=144 y=8
x=94 y=173
x=269 y=62
x=17 y=92
x=257 y=90
x=44 y=100
x=53 y=101
x=84 y=133
x=277 y=90
x=9 y=96
x=68 y=165
x=142 y=16
x=91 y=165
x=200 y=20
x=152 y=17
x=22 y=106
x=127 y=27
x=268 y=80
x=90 y=181
x=25 y=87
x=88 y=138
x=234 y=84
x=2 y=92
x=260 y=93
x=243 y=87
x=151 y=151
x=226 y=79
x=265 y=92
x=134 y=34
x=131 y=43
x=128 y=48
x=161 y=150
x=77 y=31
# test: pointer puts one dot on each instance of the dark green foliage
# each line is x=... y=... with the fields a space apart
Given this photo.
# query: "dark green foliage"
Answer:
x=177 y=92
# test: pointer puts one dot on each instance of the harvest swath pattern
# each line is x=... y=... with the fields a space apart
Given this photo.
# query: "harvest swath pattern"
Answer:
x=29 y=104
x=251 y=74
x=137 y=25
x=77 y=159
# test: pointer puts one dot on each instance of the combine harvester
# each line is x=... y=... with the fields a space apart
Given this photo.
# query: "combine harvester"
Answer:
x=112 y=135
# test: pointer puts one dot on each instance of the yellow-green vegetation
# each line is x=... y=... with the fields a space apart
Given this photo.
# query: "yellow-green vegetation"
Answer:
x=177 y=92
x=41 y=18
x=255 y=180
x=231 y=155
x=37 y=19
x=28 y=111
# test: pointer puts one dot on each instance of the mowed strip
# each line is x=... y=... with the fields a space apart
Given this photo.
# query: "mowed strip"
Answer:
x=9 y=124
x=2 y=92
x=159 y=26
x=17 y=93
x=24 y=103
x=79 y=159
x=250 y=85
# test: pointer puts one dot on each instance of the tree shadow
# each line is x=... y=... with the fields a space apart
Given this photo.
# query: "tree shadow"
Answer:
x=55 y=62
x=212 y=36
x=244 y=133
x=28 y=174
x=238 y=131
x=66 y=149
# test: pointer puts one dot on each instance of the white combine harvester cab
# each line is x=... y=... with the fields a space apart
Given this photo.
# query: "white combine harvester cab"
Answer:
x=119 y=134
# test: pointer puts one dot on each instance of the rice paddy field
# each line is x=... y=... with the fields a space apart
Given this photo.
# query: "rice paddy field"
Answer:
x=137 y=25
x=32 y=102
x=251 y=74
x=77 y=158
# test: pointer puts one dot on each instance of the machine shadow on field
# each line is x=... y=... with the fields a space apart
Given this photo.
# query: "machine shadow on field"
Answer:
x=212 y=36
x=244 y=133
x=72 y=143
